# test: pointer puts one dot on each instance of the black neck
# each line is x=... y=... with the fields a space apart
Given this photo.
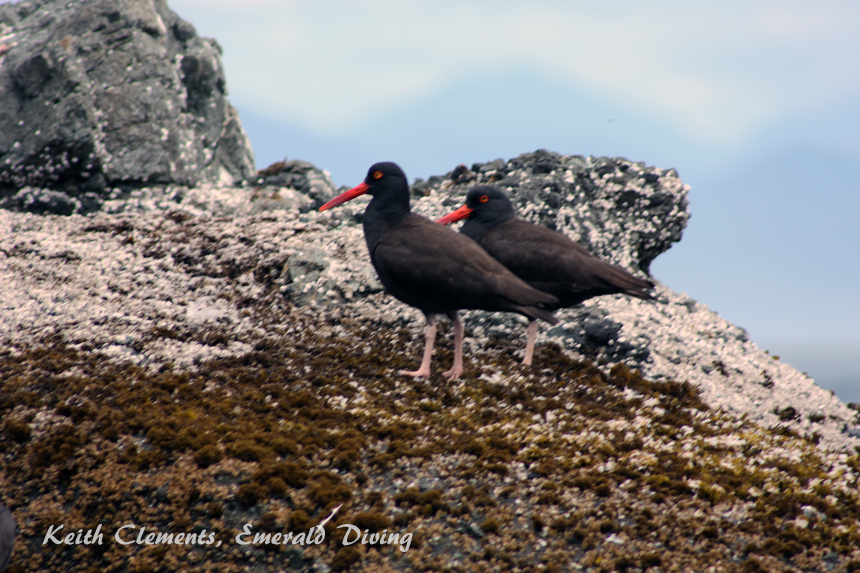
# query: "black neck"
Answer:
x=476 y=227
x=382 y=215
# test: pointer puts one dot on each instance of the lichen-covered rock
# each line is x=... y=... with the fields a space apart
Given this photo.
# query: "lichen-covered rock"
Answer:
x=99 y=94
x=299 y=175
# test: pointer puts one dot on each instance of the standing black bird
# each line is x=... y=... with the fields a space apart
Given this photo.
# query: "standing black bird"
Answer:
x=547 y=260
x=433 y=268
x=7 y=535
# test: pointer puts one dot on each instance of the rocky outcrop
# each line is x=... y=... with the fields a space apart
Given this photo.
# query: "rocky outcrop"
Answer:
x=192 y=261
x=180 y=352
x=99 y=97
x=216 y=357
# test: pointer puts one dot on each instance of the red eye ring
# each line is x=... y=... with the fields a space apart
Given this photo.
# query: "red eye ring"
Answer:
x=484 y=198
x=377 y=174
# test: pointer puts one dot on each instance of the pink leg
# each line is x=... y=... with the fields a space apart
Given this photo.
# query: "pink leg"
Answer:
x=531 y=335
x=457 y=369
x=429 y=339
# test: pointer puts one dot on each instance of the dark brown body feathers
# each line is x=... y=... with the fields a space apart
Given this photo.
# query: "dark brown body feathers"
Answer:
x=553 y=263
x=427 y=266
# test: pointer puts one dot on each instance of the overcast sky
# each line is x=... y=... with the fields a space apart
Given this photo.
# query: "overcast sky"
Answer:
x=756 y=103
x=716 y=72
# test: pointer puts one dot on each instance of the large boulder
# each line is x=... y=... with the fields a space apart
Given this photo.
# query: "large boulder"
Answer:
x=97 y=95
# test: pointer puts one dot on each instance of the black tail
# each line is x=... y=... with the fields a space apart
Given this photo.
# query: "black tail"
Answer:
x=620 y=281
x=641 y=291
x=536 y=312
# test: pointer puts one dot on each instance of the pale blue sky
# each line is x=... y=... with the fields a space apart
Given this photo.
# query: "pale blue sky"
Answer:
x=757 y=104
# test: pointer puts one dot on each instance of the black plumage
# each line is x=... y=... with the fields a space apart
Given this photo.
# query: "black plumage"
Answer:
x=433 y=268
x=547 y=260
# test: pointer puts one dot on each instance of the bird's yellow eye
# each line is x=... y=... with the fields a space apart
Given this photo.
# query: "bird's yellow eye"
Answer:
x=484 y=198
x=377 y=174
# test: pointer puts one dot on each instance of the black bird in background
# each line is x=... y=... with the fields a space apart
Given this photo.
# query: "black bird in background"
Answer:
x=547 y=260
x=433 y=268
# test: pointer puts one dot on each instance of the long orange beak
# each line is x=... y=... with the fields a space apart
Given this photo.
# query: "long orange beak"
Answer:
x=461 y=213
x=356 y=191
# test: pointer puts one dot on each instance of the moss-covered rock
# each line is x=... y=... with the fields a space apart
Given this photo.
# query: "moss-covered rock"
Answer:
x=561 y=467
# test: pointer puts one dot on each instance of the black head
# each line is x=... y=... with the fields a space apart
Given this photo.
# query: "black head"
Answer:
x=485 y=208
x=385 y=181
x=490 y=205
x=383 y=175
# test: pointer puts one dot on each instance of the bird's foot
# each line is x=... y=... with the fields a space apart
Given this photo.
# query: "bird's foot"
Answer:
x=453 y=373
x=420 y=373
x=527 y=361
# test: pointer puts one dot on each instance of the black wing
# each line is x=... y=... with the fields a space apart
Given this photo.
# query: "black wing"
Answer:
x=553 y=263
x=435 y=269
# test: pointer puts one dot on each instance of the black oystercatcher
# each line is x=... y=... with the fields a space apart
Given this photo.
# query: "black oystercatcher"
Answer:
x=547 y=260
x=431 y=267
x=7 y=535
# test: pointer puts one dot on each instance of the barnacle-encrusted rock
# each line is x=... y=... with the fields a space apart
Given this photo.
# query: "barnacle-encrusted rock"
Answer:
x=161 y=282
x=99 y=94
x=192 y=358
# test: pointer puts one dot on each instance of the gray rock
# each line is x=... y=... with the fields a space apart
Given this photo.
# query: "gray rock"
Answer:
x=853 y=432
x=472 y=529
x=299 y=175
x=97 y=94
x=37 y=200
x=304 y=268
